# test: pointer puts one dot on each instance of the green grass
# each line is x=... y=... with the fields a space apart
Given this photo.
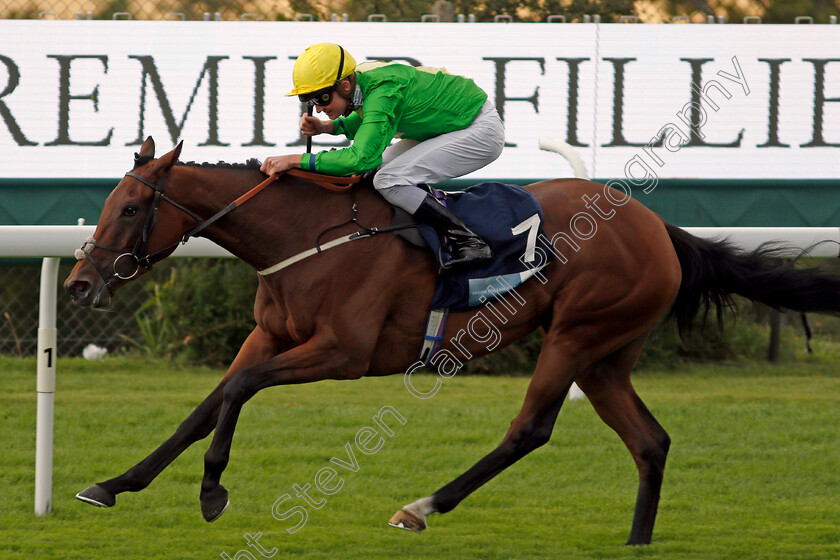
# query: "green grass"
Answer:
x=754 y=469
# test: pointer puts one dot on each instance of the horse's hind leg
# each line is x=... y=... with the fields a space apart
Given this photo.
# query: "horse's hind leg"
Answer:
x=196 y=427
x=607 y=385
x=530 y=429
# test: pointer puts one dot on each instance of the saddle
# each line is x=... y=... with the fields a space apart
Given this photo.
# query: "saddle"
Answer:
x=506 y=216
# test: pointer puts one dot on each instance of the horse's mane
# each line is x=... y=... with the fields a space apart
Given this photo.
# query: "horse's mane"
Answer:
x=252 y=163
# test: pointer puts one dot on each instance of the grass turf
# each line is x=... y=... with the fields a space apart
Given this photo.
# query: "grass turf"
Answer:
x=754 y=469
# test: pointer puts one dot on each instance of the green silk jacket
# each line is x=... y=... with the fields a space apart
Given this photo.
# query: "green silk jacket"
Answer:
x=397 y=99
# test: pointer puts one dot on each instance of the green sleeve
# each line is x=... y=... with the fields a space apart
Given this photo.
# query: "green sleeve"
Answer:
x=348 y=125
x=376 y=129
x=373 y=136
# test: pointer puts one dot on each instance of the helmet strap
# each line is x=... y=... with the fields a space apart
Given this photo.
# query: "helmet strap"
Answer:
x=340 y=66
x=337 y=86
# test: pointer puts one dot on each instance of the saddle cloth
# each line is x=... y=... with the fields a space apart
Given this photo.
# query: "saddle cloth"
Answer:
x=510 y=220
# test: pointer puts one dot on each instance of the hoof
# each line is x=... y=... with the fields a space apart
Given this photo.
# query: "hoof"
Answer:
x=97 y=496
x=213 y=506
x=408 y=520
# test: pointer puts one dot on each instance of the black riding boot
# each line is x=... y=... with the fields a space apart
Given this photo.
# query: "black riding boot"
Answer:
x=467 y=247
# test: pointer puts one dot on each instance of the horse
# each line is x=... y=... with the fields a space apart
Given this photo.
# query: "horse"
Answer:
x=359 y=309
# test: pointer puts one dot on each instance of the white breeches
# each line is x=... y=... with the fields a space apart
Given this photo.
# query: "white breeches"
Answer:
x=408 y=163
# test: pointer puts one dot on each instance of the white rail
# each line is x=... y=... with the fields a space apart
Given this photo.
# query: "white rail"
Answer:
x=817 y=241
x=62 y=241
x=52 y=242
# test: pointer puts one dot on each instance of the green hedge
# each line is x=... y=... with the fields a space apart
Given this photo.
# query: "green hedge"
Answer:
x=201 y=310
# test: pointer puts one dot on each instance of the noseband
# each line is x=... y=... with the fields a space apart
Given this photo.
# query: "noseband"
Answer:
x=139 y=255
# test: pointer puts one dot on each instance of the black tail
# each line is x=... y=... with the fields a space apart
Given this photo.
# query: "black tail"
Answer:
x=712 y=271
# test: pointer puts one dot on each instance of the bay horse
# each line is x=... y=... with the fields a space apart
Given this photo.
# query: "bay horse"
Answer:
x=360 y=309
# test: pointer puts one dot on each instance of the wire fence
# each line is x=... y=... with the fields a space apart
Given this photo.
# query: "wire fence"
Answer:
x=113 y=329
x=127 y=9
x=275 y=10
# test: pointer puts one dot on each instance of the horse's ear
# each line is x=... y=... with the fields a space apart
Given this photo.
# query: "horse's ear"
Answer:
x=147 y=153
x=147 y=150
x=167 y=161
x=177 y=150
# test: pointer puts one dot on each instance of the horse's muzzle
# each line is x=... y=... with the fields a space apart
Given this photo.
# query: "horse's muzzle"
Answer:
x=87 y=294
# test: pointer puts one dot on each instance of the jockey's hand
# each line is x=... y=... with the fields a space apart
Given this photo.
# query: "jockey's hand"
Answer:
x=279 y=164
x=312 y=126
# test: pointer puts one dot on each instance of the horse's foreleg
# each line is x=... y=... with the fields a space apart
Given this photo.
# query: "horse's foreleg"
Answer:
x=530 y=429
x=197 y=426
x=315 y=360
x=607 y=384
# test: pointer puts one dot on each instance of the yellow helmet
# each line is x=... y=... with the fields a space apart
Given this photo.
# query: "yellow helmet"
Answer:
x=321 y=66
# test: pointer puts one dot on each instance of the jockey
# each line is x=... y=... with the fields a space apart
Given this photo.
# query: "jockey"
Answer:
x=447 y=125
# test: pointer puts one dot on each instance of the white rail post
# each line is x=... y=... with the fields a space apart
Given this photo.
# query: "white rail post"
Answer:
x=45 y=385
x=579 y=168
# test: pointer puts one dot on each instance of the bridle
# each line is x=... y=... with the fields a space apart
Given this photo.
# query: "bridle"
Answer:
x=140 y=255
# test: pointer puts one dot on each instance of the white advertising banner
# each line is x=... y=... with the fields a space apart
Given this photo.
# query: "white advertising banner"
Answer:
x=657 y=101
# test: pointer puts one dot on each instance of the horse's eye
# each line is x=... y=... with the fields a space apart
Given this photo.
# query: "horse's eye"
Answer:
x=130 y=211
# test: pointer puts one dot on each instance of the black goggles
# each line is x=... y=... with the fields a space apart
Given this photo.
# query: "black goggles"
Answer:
x=321 y=97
